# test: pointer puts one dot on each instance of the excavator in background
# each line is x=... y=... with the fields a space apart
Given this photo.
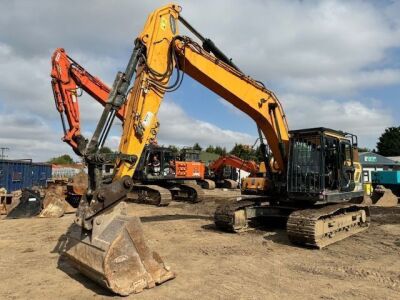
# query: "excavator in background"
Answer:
x=312 y=185
x=218 y=173
x=174 y=177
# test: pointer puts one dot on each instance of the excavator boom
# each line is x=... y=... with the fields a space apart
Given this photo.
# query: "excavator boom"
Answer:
x=249 y=166
x=67 y=78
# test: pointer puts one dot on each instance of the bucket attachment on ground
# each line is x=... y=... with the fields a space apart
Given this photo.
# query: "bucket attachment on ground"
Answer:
x=54 y=203
x=78 y=184
x=114 y=253
x=382 y=196
x=30 y=205
x=76 y=189
x=53 y=206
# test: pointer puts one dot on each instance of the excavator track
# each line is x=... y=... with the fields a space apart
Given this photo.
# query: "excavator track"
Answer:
x=192 y=192
x=150 y=194
x=231 y=217
x=230 y=184
x=324 y=226
x=206 y=184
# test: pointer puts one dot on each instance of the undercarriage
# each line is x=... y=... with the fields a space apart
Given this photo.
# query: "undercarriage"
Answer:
x=314 y=226
x=163 y=192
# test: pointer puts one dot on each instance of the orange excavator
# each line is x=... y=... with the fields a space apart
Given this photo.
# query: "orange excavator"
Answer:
x=161 y=177
x=217 y=170
x=313 y=182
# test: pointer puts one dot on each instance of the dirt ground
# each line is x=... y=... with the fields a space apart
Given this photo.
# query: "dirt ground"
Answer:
x=260 y=264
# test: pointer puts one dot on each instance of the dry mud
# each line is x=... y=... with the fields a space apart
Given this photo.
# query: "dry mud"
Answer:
x=260 y=264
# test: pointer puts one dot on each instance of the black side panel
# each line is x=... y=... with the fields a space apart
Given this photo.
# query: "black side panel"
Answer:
x=306 y=165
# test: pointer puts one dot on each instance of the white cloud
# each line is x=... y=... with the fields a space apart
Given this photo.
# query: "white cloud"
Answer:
x=323 y=49
x=279 y=41
x=365 y=120
x=177 y=128
x=27 y=136
x=343 y=84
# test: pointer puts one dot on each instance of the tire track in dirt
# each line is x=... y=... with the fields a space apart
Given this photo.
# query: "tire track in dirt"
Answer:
x=387 y=279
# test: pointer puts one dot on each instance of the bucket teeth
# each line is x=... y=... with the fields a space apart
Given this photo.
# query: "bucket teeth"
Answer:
x=115 y=254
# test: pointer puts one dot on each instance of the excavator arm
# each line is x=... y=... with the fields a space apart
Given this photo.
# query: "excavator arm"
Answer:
x=164 y=50
x=158 y=51
x=107 y=236
x=68 y=77
x=236 y=162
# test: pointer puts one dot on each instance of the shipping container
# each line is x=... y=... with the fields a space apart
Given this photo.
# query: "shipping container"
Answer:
x=41 y=173
x=389 y=179
x=19 y=174
x=386 y=177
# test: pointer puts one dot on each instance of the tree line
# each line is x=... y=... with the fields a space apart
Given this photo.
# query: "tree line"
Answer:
x=388 y=145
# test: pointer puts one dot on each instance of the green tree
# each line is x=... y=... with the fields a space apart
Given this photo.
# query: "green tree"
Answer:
x=364 y=149
x=62 y=160
x=244 y=152
x=197 y=146
x=220 y=151
x=173 y=148
x=389 y=142
x=210 y=149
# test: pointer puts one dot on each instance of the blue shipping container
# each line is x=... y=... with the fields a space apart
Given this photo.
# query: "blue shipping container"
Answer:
x=19 y=174
x=386 y=177
x=40 y=174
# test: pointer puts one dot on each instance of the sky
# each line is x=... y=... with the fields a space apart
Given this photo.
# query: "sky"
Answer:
x=331 y=63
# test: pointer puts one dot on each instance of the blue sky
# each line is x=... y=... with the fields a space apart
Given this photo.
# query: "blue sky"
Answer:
x=331 y=63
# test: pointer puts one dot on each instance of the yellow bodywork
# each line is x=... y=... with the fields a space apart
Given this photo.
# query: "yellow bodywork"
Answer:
x=144 y=101
x=242 y=91
x=255 y=185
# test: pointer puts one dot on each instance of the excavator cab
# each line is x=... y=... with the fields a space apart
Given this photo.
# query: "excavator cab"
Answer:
x=161 y=163
x=322 y=166
x=156 y=163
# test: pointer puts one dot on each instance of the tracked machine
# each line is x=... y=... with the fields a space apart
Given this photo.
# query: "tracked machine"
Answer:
x=175 y=177
x=313 y=182
x=323 y=177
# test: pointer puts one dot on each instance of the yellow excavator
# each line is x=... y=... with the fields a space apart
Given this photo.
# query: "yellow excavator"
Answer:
x=312 y=184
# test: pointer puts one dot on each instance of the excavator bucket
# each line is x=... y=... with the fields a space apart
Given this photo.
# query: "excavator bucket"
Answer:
x=114 y=253
x=384 y=197
x=54 y=204
x=79 y=184
x=30 y=205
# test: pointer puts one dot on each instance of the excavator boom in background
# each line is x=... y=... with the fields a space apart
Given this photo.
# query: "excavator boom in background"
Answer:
x=312 y=181
x=217 y=170
x=68 y=77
